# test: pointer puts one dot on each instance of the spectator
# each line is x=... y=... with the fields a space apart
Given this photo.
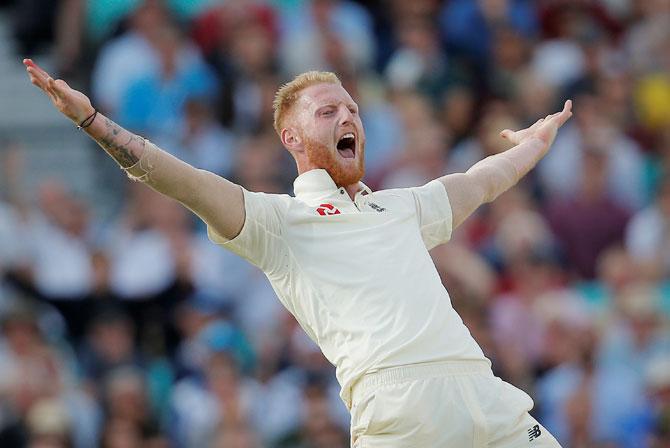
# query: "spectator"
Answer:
x=467 y=26
x=648 y=236
x=318 y=429
x=654 y=425
x=510 y=55
x=311 y=29
x=636 y=335
x=615 y=271
x=219 y=401
x=142 y=247
x=48 y=425
x=154 y=104
x=485 y=140
x=135 y=49
x=240 y=41
x=36 y=385
x=59 y=254
x=419 y=63
x=582 y=401
x=127 y=404
x=588 y=222
x=109 y=345
x=201 y=141
x=561 y=170
x=458 y=112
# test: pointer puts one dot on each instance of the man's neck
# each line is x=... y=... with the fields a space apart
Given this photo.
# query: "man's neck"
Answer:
x=352 y=190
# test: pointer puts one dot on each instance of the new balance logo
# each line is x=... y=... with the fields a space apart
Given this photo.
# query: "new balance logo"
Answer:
x=376 y=207
x=534 y=433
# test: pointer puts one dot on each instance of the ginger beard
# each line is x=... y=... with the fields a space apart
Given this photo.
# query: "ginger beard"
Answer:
x=343 y=171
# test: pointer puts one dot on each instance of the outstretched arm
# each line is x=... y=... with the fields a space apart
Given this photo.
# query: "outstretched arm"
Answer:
x=494 y=175
x=216 y=200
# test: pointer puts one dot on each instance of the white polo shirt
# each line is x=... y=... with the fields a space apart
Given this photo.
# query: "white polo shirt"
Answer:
x=357 y=274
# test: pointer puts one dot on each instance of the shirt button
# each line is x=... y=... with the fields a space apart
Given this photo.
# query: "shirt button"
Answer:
x=341 y=191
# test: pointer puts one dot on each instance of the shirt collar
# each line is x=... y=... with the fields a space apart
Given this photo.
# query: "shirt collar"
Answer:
x=317 y=183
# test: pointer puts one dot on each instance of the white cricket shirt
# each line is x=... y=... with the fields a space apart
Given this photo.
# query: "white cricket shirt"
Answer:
x=357 y=274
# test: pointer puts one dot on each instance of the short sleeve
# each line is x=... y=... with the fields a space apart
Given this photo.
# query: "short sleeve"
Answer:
x=260 y=241
x=434 y=213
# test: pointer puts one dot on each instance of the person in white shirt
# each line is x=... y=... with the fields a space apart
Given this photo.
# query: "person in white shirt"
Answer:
x=352 y=265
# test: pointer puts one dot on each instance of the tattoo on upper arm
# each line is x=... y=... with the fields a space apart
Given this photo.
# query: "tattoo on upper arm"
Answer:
x=121 y=152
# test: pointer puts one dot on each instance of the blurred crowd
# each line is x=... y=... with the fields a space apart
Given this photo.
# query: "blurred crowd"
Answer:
x=136 y=331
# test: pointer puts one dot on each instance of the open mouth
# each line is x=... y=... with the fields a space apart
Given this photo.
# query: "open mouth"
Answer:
x=346 y=146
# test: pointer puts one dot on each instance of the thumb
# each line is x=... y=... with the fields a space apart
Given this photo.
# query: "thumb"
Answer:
x=507 y=134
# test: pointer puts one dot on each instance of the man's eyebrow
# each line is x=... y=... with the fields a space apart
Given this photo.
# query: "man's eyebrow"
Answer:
x=335 y=102
x=324 y=106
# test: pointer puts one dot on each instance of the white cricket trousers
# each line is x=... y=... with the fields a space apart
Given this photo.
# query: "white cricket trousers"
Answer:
x=454 y=404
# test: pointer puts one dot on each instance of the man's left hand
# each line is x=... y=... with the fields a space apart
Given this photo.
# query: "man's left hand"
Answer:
x=544 y=129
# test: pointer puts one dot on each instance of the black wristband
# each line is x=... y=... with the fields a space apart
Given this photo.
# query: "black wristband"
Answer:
x=88 y=120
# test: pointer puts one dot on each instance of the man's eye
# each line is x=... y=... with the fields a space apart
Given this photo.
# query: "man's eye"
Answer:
x=327 y=112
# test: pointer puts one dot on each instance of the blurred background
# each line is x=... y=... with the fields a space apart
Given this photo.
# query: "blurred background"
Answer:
x=121 y=326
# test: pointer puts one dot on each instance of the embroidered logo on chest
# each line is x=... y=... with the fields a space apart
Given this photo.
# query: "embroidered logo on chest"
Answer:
x=376 y=207
x=327 y=209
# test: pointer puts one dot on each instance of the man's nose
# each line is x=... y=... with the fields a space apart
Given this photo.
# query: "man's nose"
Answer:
x=346 y=116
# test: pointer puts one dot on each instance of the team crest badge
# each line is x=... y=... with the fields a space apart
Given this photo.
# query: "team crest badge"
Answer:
x=327 y=209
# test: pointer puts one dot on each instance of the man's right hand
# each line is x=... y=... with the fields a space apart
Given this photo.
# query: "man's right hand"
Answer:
x=71 y=103
x=219 y=202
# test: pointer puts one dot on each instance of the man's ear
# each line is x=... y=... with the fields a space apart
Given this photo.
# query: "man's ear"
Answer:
x=291 y=139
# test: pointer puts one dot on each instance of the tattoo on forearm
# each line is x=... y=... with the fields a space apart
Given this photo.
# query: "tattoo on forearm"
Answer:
x=126 y=154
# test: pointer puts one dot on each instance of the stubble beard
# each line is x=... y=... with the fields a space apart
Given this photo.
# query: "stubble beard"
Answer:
x=343 y=171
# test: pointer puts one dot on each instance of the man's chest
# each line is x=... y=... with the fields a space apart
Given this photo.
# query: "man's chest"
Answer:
x=349 y=238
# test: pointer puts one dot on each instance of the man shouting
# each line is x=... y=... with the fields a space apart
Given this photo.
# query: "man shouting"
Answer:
x=352 y=265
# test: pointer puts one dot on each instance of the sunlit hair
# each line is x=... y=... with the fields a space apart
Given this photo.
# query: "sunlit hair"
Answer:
x=288 y=94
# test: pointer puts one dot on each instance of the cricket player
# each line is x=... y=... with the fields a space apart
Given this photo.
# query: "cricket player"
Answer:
x=352 y=265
